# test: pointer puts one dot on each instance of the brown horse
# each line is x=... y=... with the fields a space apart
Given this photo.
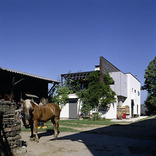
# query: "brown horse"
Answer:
x=36 y=113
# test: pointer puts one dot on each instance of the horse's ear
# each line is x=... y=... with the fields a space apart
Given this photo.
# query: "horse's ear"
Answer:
x=33 y=104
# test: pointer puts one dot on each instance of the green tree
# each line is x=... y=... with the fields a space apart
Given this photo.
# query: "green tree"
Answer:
x=59 y=94
x=63 y=92
x=62 y=95
x=84 y=96
x=97 y=94
x=150 y=86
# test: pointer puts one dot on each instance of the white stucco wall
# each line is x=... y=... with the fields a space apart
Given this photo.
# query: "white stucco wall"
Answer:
x=127 y=88
x=65 y=111
x=134 y=93
x=111 y=113
x=120 y=83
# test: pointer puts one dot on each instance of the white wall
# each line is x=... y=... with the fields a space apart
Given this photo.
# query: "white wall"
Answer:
x=127 y=88
x=120 y=83
x=111 y=113
x=65 y=109
x=134 y=93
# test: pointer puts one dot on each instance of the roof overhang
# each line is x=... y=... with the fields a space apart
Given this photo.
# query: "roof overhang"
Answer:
x=29 y=75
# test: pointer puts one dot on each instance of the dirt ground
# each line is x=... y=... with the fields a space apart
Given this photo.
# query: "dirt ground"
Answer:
x=138 y=138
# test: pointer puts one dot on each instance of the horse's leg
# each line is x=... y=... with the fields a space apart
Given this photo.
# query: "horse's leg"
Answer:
x=56 y=125
x=36 y=128
x=32 y=129
x=53 y=122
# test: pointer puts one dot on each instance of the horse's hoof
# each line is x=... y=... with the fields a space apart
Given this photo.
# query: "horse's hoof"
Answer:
x=55 y=136
x=32 y=139
x=36 y=140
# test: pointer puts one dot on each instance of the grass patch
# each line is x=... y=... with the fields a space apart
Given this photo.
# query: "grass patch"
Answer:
x=87 y=122
x=61 y=129
x=70 y=125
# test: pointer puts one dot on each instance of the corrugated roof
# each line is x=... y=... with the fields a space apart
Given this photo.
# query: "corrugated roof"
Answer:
x=27 y=74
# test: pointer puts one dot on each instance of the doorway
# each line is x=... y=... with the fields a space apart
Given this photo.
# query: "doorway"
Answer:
x=73 y=114
x=132 y=109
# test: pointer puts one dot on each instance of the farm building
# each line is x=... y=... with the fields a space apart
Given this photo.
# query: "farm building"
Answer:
x=126 y=86
x=23 y=85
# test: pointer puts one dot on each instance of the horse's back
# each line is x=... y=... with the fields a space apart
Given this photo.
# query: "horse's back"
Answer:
x=54 y=108
x=46 y=112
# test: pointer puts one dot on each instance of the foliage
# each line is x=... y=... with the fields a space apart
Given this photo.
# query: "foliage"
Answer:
x=62 y=93
x=150 y=86
x=97 y=117
x=94 y=95
x=75 y=85
x=84 y=96
x=59 y=94
x=97 y=94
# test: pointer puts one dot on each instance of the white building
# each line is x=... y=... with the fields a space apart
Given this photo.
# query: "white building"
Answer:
x=126 y=86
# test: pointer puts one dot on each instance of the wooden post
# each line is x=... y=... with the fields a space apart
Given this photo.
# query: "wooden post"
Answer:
x=12 y=89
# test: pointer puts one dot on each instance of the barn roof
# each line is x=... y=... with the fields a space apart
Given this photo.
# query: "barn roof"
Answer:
x=29 y=75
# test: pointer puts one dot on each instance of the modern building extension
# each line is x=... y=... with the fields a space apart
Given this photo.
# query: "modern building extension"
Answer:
x=126 y=86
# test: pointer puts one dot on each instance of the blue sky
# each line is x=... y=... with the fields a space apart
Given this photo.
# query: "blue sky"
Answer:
x=51 y=37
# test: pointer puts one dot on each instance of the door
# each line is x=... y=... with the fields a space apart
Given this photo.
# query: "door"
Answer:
x=73 y=114
x=132 y=105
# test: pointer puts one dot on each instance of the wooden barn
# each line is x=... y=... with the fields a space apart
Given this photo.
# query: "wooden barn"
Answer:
x=18 y=85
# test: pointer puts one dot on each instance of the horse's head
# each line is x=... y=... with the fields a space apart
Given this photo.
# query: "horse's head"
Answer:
x=27 y=108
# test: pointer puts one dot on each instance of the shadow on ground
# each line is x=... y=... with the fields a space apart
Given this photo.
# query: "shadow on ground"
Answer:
x=44 y=134
x=138 y=138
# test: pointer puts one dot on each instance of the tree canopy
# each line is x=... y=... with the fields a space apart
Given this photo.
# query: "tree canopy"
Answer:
x=150 y=86
x=94 y=95
x=97 y=94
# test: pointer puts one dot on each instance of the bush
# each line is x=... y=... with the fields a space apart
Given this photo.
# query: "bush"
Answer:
x=97 y=117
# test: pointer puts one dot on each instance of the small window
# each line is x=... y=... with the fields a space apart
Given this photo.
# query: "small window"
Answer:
x=138 y=93
x=134 y=91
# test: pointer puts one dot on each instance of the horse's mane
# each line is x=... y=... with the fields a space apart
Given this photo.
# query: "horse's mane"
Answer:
x=28 y=103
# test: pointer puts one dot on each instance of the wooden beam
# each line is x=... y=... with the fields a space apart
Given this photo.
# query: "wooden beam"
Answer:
x=18 y=81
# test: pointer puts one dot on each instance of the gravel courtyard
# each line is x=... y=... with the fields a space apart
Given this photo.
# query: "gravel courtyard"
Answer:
x=138 y=138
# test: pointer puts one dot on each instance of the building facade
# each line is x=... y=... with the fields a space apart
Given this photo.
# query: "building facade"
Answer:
x=127 y=89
